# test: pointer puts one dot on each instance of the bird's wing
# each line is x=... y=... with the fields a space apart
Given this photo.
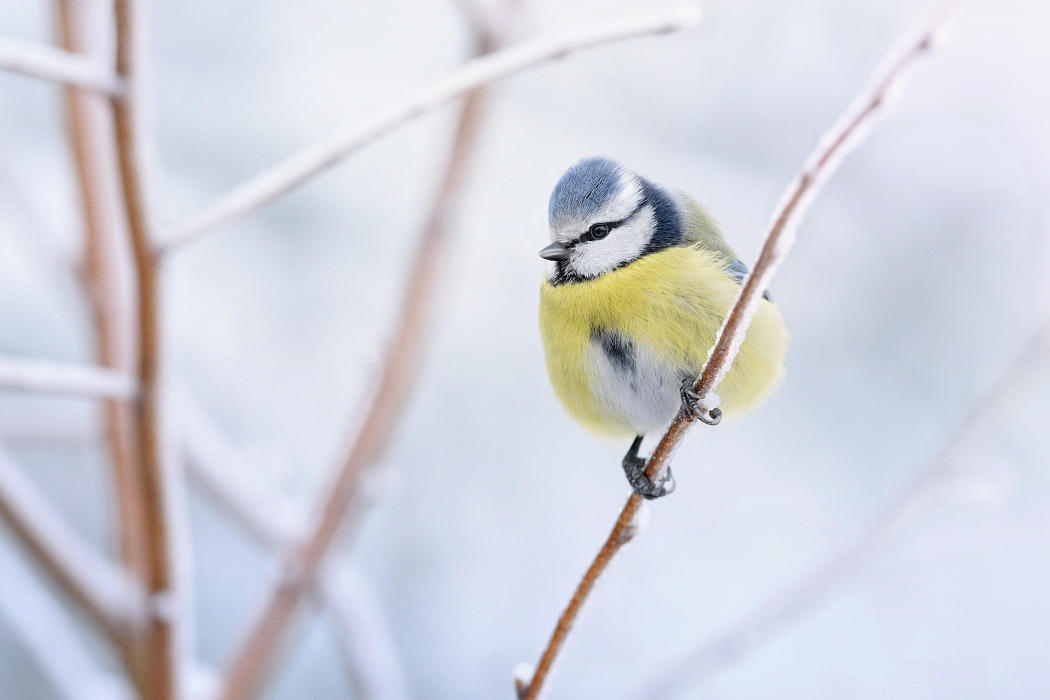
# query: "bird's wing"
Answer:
x=702 y=230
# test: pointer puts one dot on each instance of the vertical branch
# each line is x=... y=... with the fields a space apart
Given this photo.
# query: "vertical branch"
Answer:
x=398 y=377
x=156 y=678
x=106 y=272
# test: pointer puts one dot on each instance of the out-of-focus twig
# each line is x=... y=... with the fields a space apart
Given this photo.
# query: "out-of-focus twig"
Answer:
x=397 y=379
x=66 y=378
x=366 y=646
x=846 y=134
x=49 y=63
x=50 y=636
x=112 y=598
x=970 y=439
x=106 y=272
x=312 y=160
x=155 y=676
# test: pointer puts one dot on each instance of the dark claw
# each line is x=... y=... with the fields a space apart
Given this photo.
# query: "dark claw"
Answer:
x=634 y=468
x=691 y=404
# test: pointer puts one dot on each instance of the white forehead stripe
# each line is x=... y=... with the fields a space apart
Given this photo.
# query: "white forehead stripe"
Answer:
x=619 y=207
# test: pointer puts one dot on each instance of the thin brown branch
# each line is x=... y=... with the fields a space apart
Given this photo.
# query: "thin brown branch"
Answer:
x=155 y=675
x=847 y=133
x=109 y=595
x=49 y=63
x=107 y=272
x=969 y=440
x=41 y=376
x=317 y=158
x=398 y=377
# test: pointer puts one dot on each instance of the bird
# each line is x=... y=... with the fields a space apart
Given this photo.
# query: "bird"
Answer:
x=639 y=279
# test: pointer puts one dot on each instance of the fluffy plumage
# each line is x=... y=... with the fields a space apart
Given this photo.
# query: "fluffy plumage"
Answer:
x=640 y=280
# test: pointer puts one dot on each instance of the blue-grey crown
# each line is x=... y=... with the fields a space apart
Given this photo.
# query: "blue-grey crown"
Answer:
x=584 y=188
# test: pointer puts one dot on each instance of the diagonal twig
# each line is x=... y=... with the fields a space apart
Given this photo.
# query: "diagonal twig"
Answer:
x=67 y=378
x=970 y=439
x=49 y=63
x=50 y=635
x=312 y=160
x=105 y=590
x=847 y=133
x=366 y=645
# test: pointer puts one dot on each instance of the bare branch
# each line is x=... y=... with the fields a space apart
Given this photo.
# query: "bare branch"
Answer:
x=49 y=63
x=970 y=439
x=66 y=378
x=155 y=673
x=312 y=160
x=107 y=270
x=50 y=635
x=847 y=133
x=105 y=590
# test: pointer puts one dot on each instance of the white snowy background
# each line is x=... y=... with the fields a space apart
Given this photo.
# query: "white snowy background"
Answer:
x=918 y=273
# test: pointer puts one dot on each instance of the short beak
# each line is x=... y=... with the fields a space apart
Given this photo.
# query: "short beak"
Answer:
x=555 y=251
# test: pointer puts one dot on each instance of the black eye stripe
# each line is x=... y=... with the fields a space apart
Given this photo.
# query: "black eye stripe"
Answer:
x=612 y=225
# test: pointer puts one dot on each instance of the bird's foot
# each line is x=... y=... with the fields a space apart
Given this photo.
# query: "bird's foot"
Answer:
x=691 y=405
x=634 y=468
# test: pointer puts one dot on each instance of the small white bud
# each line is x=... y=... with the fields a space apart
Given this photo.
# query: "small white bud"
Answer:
x=523 y=672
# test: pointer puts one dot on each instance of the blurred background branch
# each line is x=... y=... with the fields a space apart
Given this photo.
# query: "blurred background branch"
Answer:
x=315 y=159
x=49 y=63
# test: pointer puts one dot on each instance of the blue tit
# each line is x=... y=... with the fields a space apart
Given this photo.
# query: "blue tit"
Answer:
x=639 y=281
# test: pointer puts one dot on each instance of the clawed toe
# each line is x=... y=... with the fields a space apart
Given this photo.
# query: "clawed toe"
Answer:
x=691 y=404
x=634 y=468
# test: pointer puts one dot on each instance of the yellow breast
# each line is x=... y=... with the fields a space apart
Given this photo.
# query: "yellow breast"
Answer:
x=671 y=302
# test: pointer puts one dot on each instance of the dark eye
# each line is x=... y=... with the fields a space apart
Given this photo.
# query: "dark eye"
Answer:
x=599 y=231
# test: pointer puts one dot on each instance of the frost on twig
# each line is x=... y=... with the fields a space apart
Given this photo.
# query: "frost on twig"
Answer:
x=50 y=635
x=65 y=378
x=808 y=595
x=49 y=63
x=847 y=132
x=312 y=160
x=104 y=589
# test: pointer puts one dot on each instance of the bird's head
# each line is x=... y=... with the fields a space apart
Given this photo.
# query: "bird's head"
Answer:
x=602 y=217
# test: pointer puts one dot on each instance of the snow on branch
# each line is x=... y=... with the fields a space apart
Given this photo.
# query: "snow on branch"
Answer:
x=315 y=159
x=846 y=134
x=808 y=595
x=49 y=63
x=366 y=646
x=104 y=589
x=52 y=377
x=50 y=635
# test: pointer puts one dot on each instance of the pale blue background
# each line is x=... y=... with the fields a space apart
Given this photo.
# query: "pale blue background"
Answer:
x=915 y=276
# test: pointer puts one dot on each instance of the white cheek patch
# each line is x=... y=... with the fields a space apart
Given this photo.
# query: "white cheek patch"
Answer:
x=623 y=244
